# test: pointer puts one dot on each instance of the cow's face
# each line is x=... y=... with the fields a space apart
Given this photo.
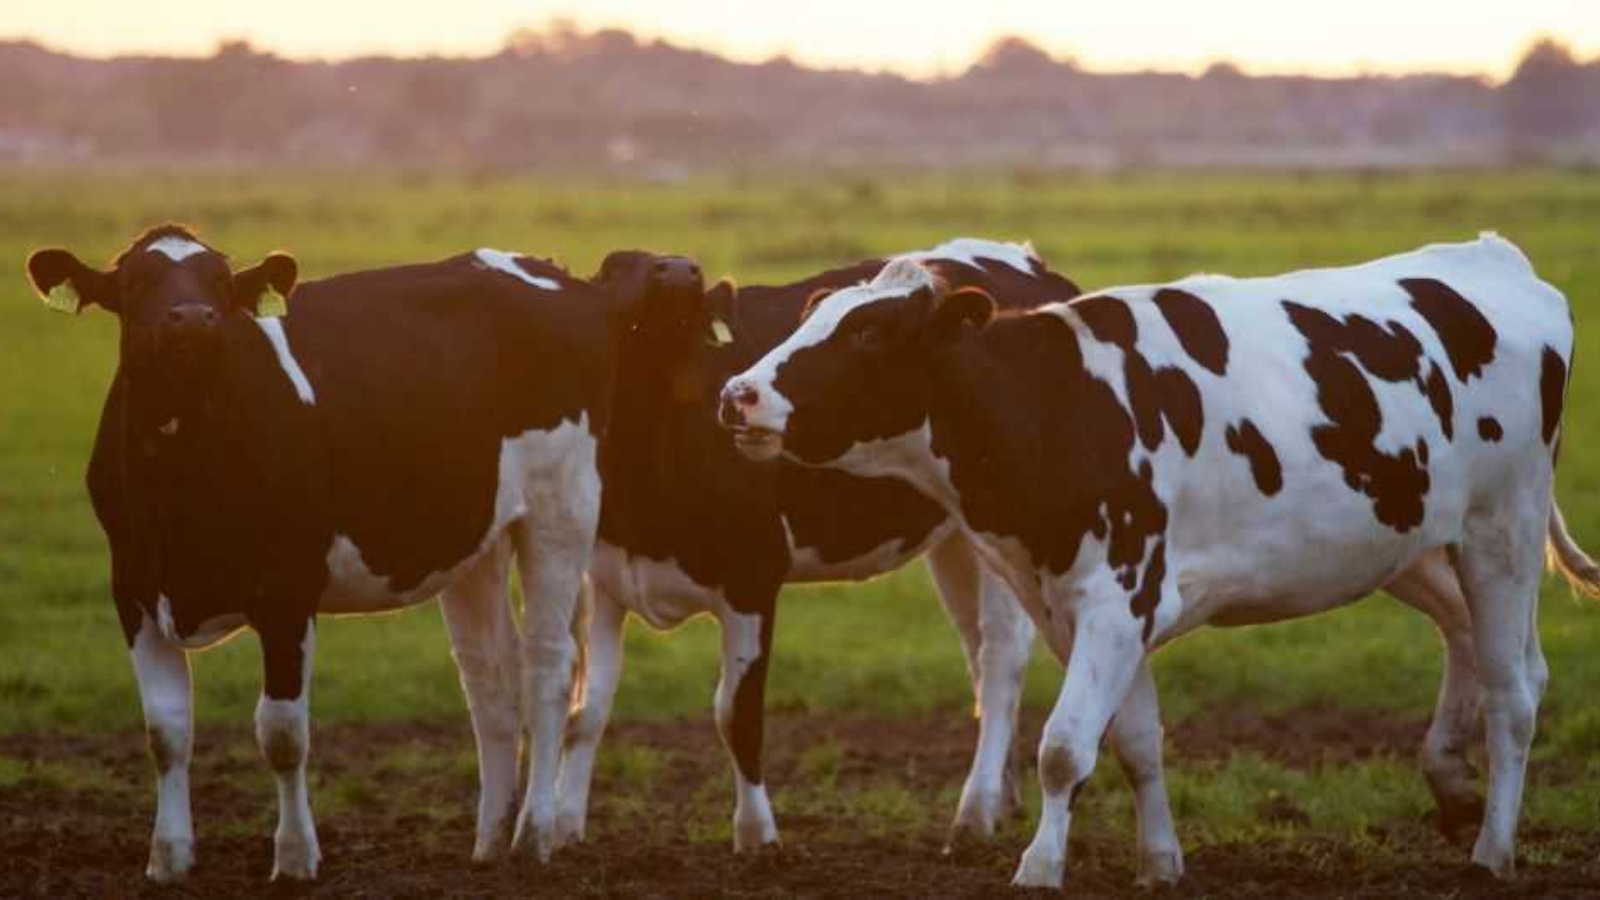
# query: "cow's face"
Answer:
x=170 y=293
x=855 y=371
x=665 y=295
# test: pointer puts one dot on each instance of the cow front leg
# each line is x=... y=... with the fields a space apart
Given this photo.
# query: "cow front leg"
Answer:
x=554 y=546
x=740 y=711
x=997 y=636
x=283 y=732
x=483 y=640
x=1105 y=653
x=587 y=724
x=162 y=670
x=1136 y=736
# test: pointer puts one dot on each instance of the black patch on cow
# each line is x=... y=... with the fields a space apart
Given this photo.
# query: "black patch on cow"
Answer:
x=1044 y=453
x=1247 y=441
x=1437 y=388
x=1198 y=329
x=1148 y=596
x=1396 y=483
x=1552 y=391
x=1467 y=336
x=1155 y=395
x=1489 y=429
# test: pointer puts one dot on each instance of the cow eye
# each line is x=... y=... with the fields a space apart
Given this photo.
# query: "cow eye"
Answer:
x=867 y=337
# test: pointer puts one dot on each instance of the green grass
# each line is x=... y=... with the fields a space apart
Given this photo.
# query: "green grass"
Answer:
x=882 y=648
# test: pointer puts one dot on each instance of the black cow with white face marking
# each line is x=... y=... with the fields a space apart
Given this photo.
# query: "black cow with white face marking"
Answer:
x=398 y=434
x=690 y=527
x=1151 y=459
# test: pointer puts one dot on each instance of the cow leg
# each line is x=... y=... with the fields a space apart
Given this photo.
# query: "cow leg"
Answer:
x=555 y=545
x=165 y=693
x=483 y=640
x=283 y=731
x=740 y=711
x=1136 y=736
x=1106 y=651
x=997 y=636
x=1432 y=587
x=587 y=724
x=1500 y=563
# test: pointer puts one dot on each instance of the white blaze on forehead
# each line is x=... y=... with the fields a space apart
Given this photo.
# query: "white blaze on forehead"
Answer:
x=175 y=248
x=273 y=329
x=899 y=278
x=1021 y=257
x=505 y=262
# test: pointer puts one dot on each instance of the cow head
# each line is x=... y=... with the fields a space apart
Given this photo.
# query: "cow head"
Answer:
x=666 y=296
x=856 y=370
x=169 y=291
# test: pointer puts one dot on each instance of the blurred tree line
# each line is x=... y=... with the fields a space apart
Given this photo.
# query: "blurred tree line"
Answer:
x=560 y=98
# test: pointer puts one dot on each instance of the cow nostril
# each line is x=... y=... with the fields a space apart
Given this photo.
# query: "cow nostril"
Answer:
x=175 y=317
x=746 y=396
x=209 y=317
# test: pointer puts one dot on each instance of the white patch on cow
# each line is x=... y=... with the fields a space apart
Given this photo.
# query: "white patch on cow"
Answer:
x=175 y=248
x=900 y=277
x=212 y=631
x=657 y=591
x=501 y=261
x=525 y=462
x=972 y=251
x=273 y=329
x=162 y=671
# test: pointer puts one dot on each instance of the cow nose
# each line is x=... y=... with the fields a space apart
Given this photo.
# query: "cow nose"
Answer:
x=191 y=319
x=736 y=398
x=678 y=272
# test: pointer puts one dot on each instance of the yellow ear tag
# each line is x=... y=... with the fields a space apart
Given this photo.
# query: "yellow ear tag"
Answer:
x=271 y=305
x=62 y=298
x=721 y=334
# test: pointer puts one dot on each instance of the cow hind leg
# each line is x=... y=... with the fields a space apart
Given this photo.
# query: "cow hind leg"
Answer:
x=997 y=636
x=283 y=732
x=554 y=546
x=1136 y=736
x=1432 y=587
x=587 y=724
x=740 y=702
x=1500 y=563
x=162 y=670
x=1106 y=650
x=483 y=640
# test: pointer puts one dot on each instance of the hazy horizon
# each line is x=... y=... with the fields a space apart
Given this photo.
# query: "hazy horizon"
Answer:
x=1260 y=36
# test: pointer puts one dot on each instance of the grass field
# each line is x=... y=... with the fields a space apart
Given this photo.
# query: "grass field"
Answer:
x=844 y=653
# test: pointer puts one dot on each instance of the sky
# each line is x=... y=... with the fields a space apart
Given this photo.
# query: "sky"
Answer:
x=916 y=37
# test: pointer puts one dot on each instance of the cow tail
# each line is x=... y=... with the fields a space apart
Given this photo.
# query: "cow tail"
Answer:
x=1565 y=556
x=581 y=616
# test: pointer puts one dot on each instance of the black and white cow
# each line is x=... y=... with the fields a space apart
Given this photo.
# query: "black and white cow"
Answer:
x=399 y=434
x=1147 y=460
x=688 y=527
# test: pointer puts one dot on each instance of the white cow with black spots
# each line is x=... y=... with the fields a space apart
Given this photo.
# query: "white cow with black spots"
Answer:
x=1148 y=460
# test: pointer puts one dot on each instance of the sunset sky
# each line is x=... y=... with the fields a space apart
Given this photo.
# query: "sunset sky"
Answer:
x=918 y=38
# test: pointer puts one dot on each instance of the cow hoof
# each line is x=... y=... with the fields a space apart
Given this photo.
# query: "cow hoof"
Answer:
x=536 y=839
x=1160 y=869
x=755 y=835
x=977 y=817
x=296 y=861
x=1497 y=868
x=1040 y=871
x=569 y=829
x=170 y=861
x=491 y=848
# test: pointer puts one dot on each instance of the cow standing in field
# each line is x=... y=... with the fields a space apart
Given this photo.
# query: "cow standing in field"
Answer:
x=1148 y=460
x=689 y=527
x=399 y=434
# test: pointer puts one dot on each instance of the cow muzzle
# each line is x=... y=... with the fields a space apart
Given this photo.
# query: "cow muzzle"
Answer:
x=740 y=412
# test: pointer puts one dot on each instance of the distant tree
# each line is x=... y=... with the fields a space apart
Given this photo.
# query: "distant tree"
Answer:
x=1545 y=101
x=1014 y=55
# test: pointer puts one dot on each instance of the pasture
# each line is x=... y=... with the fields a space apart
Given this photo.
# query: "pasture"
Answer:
x=1290 y=748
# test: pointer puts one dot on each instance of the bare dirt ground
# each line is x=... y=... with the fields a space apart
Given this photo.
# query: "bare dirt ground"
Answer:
x=395 y=812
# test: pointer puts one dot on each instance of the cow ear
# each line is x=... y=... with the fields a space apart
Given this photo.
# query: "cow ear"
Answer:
x=263 y=288
x=721 y=304
x=958 y=309
x=67 y=285
x=813 y=301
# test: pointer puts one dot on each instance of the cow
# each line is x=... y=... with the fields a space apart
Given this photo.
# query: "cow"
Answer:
x=688 y=527
x=398 y=434
x=1145 y=460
